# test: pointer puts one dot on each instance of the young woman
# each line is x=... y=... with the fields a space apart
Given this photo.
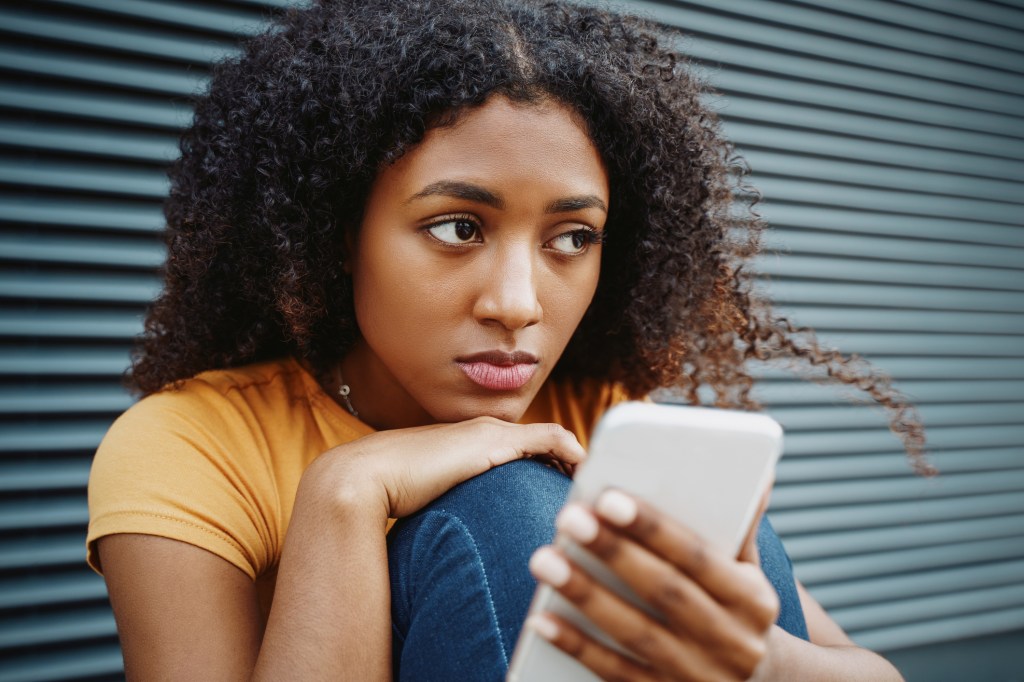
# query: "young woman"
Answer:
x=415 y=251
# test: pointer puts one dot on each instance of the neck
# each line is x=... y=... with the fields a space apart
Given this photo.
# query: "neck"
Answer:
x=376 y=395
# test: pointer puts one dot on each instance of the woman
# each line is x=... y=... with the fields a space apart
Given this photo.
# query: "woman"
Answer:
x=412 y=245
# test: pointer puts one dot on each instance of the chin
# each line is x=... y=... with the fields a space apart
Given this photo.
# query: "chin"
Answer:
x=505 y=408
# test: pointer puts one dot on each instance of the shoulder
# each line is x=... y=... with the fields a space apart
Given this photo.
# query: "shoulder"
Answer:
x=215 y=404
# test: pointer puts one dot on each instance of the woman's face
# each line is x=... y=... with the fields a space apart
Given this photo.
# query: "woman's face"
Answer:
x=478 y=254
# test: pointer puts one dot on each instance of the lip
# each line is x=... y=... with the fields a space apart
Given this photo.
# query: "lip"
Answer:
x=499 y=370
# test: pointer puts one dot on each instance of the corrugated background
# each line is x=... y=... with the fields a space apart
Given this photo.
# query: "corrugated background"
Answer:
x=887 y=137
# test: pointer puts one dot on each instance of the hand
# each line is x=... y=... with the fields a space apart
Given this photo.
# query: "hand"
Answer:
x=716 y=612
x=404 y=469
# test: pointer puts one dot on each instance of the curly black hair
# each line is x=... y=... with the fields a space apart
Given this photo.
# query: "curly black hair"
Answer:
x=284 y=146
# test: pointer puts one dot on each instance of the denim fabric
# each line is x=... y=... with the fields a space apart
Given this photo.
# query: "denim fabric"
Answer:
x=460 y=586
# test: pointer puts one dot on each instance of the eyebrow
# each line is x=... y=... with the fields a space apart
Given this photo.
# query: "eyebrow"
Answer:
x=482 y=195
x=460 y=190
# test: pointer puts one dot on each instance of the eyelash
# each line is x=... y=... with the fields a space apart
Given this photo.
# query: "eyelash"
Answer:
x=590 y=235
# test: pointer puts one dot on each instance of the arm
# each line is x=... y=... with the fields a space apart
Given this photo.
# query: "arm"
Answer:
x=830 y=654
x=184 y=613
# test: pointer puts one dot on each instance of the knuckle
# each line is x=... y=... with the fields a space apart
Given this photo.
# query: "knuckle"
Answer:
x=697 y=556
x=643 y=643
x=669 y=596
x=605 y=546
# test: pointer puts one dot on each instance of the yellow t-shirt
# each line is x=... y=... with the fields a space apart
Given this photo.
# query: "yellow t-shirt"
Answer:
x=217 y=462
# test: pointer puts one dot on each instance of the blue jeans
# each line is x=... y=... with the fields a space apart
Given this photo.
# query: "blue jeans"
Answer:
x=460 y=586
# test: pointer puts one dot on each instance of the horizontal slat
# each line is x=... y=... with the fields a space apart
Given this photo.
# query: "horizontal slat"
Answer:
x=885 y=514
x=929 y=608
x=939 y=581
x=91 y=250
x=90 y=662
x=924 y=19
x=804 y=496
x=856 y=416
x=117 y=144
x=105 y=287
x=37 y=475
x=63 y=361
x=877 y=247
x=947 y=180
x=56 y=628
x=908 y=38
x=87 y=214
x=106 y=36
x=762 y=97
x=837 y=467
x=825 y=545
x=904 y=368
x=917 y=274
x=78 y=398
x=904 y=321
x=807 y=191
x=100 y=106
x=789 y=292
x=905 y=560
x=85 y=177
x=43 y=513
x=940 y=436
x=88 y=68
x=742 y=26
x=56 y=437
x=942 y=630
x=224 y=19
x=993 y=15
x=35 y=553
x=749 y=135
x=810 y=68
x=51 y=589
x=968 y=345
x=777 y=393
x=861 y=222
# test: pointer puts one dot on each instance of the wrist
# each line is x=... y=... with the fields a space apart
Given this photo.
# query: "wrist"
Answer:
x=337 y=484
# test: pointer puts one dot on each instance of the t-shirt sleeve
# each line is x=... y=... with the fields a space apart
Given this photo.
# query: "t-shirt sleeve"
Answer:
x=176 y=466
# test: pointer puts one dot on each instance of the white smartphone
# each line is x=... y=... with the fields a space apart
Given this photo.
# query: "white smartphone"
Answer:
x=707 y=468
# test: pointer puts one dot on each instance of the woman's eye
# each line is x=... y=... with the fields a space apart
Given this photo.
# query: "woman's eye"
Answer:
x=455 y=232
x=575 y=242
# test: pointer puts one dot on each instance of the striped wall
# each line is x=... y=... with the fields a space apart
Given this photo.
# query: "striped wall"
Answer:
x=887 y=137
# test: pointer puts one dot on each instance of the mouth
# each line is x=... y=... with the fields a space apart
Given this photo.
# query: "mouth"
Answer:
x=499 y=370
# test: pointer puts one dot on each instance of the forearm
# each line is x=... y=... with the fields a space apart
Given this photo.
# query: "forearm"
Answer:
x=331 y=615
x=795 y=660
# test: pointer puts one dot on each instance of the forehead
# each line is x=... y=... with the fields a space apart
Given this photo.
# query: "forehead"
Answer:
x=535 y=144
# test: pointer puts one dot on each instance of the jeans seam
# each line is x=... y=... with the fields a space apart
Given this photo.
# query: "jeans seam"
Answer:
x=486 y=582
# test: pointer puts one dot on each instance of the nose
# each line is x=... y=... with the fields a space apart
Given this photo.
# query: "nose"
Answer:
x=508 y=296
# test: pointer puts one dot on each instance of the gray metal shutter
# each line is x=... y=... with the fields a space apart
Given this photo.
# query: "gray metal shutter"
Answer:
x=886 y=136
x=888 y=140
x=91 y=99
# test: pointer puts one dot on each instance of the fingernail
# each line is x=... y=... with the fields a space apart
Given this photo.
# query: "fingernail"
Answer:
x=617 y=507
x=577 y=523
x=548 y=565
x=543 y=626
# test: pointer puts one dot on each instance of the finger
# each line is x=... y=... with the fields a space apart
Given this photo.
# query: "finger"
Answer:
x=633 y=629
x=687 y=609
x=716 y=572
x=683 y=603
x=605 y=663
x=516 y=441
